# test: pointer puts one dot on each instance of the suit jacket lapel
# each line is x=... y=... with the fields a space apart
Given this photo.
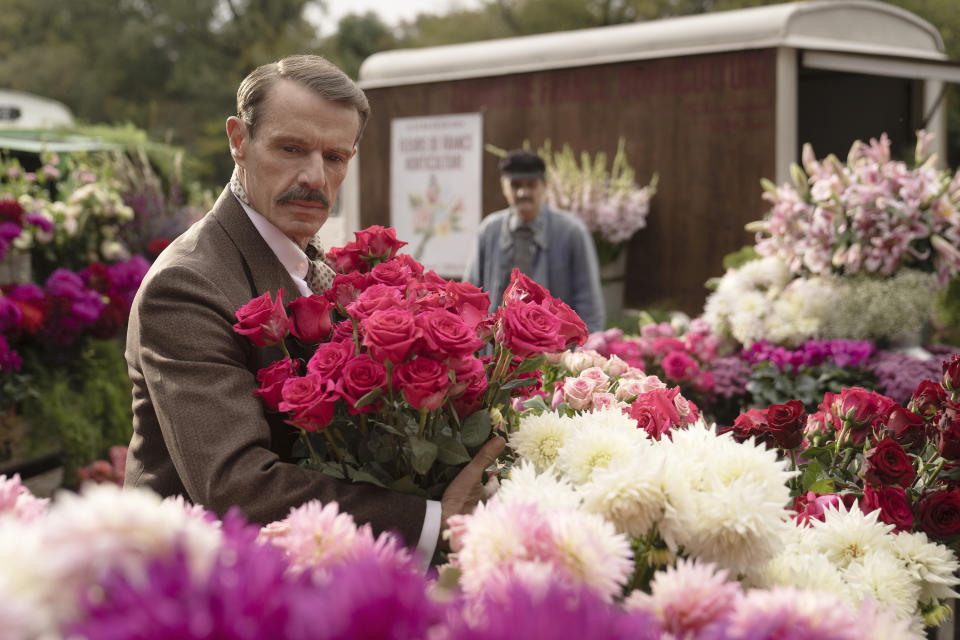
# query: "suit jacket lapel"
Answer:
x=267 y=271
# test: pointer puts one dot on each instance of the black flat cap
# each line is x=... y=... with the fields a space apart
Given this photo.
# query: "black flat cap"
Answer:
x=521 y=163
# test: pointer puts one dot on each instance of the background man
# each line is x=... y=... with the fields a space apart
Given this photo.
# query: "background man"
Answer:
x=552 y=247
x=198 y=429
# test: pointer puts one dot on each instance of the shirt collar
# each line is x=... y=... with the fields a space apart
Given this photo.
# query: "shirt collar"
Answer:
x=290 y=255
x=539 y=225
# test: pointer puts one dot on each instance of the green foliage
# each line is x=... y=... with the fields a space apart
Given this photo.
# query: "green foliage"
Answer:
x=85 y=407
x=946 y=320
x=769 y=385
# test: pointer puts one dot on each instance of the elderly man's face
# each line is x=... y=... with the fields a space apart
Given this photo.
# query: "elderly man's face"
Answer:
x=525 y=195
x=293 y=166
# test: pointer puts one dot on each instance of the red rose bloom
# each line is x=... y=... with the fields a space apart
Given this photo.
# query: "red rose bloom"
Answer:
x=753 y=424
x=329 y=358
x=378 y=242
x=951 y=374
x=263 y=320
x=390 y=334
x=572 y=328
x=445 y=335
x=892 y=503
x=938 y=513
x=375 y=298
x=948 y=436
x=888 y=464
x=271 y=381
x=655 y=411
x=346 y=287
x=927 y=399
x=785 y=422
x=423 y=381
x=10 y=210
x=523 y=289
x=467 y=301
x=906 y=427
x=310 y=399
x=529 y=329
x=361 y=375
x=677 y=365
x=392 y=273
x=310 y=319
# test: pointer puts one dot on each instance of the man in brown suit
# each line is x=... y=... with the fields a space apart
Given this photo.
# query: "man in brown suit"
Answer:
x=198 y=429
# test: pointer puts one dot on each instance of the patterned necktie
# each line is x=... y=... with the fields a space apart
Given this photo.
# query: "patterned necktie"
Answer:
x=523 y=249
x=319 y=276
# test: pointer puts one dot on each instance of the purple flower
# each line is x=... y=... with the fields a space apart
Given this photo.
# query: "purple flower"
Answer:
x=367 y=597
x=247 y=594
x=41 y=222
x=27 y=292
x=125 y=277
x=560 y=611
x=9 y=359
x=10 y=314
x=73 y=307
x=10 y=231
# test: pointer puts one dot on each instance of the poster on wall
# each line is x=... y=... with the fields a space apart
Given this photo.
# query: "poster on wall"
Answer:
x=435 y=188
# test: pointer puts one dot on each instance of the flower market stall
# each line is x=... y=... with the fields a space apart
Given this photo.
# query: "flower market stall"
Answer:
x=78 y=230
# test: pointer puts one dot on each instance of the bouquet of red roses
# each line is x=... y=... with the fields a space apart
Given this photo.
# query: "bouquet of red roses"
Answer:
x=395 y=391
x=863 y=447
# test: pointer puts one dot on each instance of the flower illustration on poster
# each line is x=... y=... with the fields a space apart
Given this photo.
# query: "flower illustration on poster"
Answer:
x=435 y=187
x=435 y=215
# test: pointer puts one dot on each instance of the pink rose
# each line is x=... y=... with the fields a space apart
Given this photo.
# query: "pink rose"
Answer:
x=595 y=375
x=677 y=365
x=528 y=329
x=378 y=242
x=577 y=361
x=390 y=334
x=655 y=411
x=271 y=381
x=423 y=381
x=523 y=289
x=445 y=335
x=310 y=319
x=466 y=300
x=310 y=399
x=346 y=288
x=361 y=375
x=604 y=400
x=342 y=332
x=892 y=503
x=468 y=372
x=811 y=506
x=615 y=366
x=263 y=320
x=572 y=328
x=375 y=298
x=629 y=388
x=393 y=273
x=662 y=347
x=329 y=358
x=578 y=392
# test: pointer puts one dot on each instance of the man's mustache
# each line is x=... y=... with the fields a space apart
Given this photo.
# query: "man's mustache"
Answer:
x=303 y=194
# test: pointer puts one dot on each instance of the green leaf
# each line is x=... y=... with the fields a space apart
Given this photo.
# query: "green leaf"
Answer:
x=810 y=475
x=822 y=486
x=476 y=429
x=422 y=454
x=537 y=403
x=359 y=475
x=449 y=451
x=405 y=485
x=531 y=364
x=368 y=398
x=516 y=384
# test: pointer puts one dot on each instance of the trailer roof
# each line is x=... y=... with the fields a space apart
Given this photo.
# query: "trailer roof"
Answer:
x=844 y=26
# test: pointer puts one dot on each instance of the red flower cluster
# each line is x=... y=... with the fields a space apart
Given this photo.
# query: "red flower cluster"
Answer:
x=779 y=425
x=404 y=333
x=899 y=460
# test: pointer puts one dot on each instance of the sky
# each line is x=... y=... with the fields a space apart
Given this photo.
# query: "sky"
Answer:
x=391 y=11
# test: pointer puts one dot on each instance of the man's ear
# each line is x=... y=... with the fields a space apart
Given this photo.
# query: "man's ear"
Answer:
x=237 y=136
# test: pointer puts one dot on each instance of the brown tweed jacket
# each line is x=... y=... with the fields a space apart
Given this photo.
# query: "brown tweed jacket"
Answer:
x=198 y=430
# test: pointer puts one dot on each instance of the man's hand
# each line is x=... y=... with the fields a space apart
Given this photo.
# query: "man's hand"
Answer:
x=466 y=490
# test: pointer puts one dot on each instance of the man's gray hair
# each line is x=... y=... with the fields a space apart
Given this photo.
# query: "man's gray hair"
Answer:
x=313 y=72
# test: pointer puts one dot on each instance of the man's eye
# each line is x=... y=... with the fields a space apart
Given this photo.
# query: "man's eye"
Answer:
x=335 y=158
x=289 y=149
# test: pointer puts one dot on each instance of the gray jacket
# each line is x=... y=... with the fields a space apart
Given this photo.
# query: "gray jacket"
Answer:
x=564 y=261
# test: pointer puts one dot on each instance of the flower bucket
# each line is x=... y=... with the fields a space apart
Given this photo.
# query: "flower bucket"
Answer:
x=15 y=268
